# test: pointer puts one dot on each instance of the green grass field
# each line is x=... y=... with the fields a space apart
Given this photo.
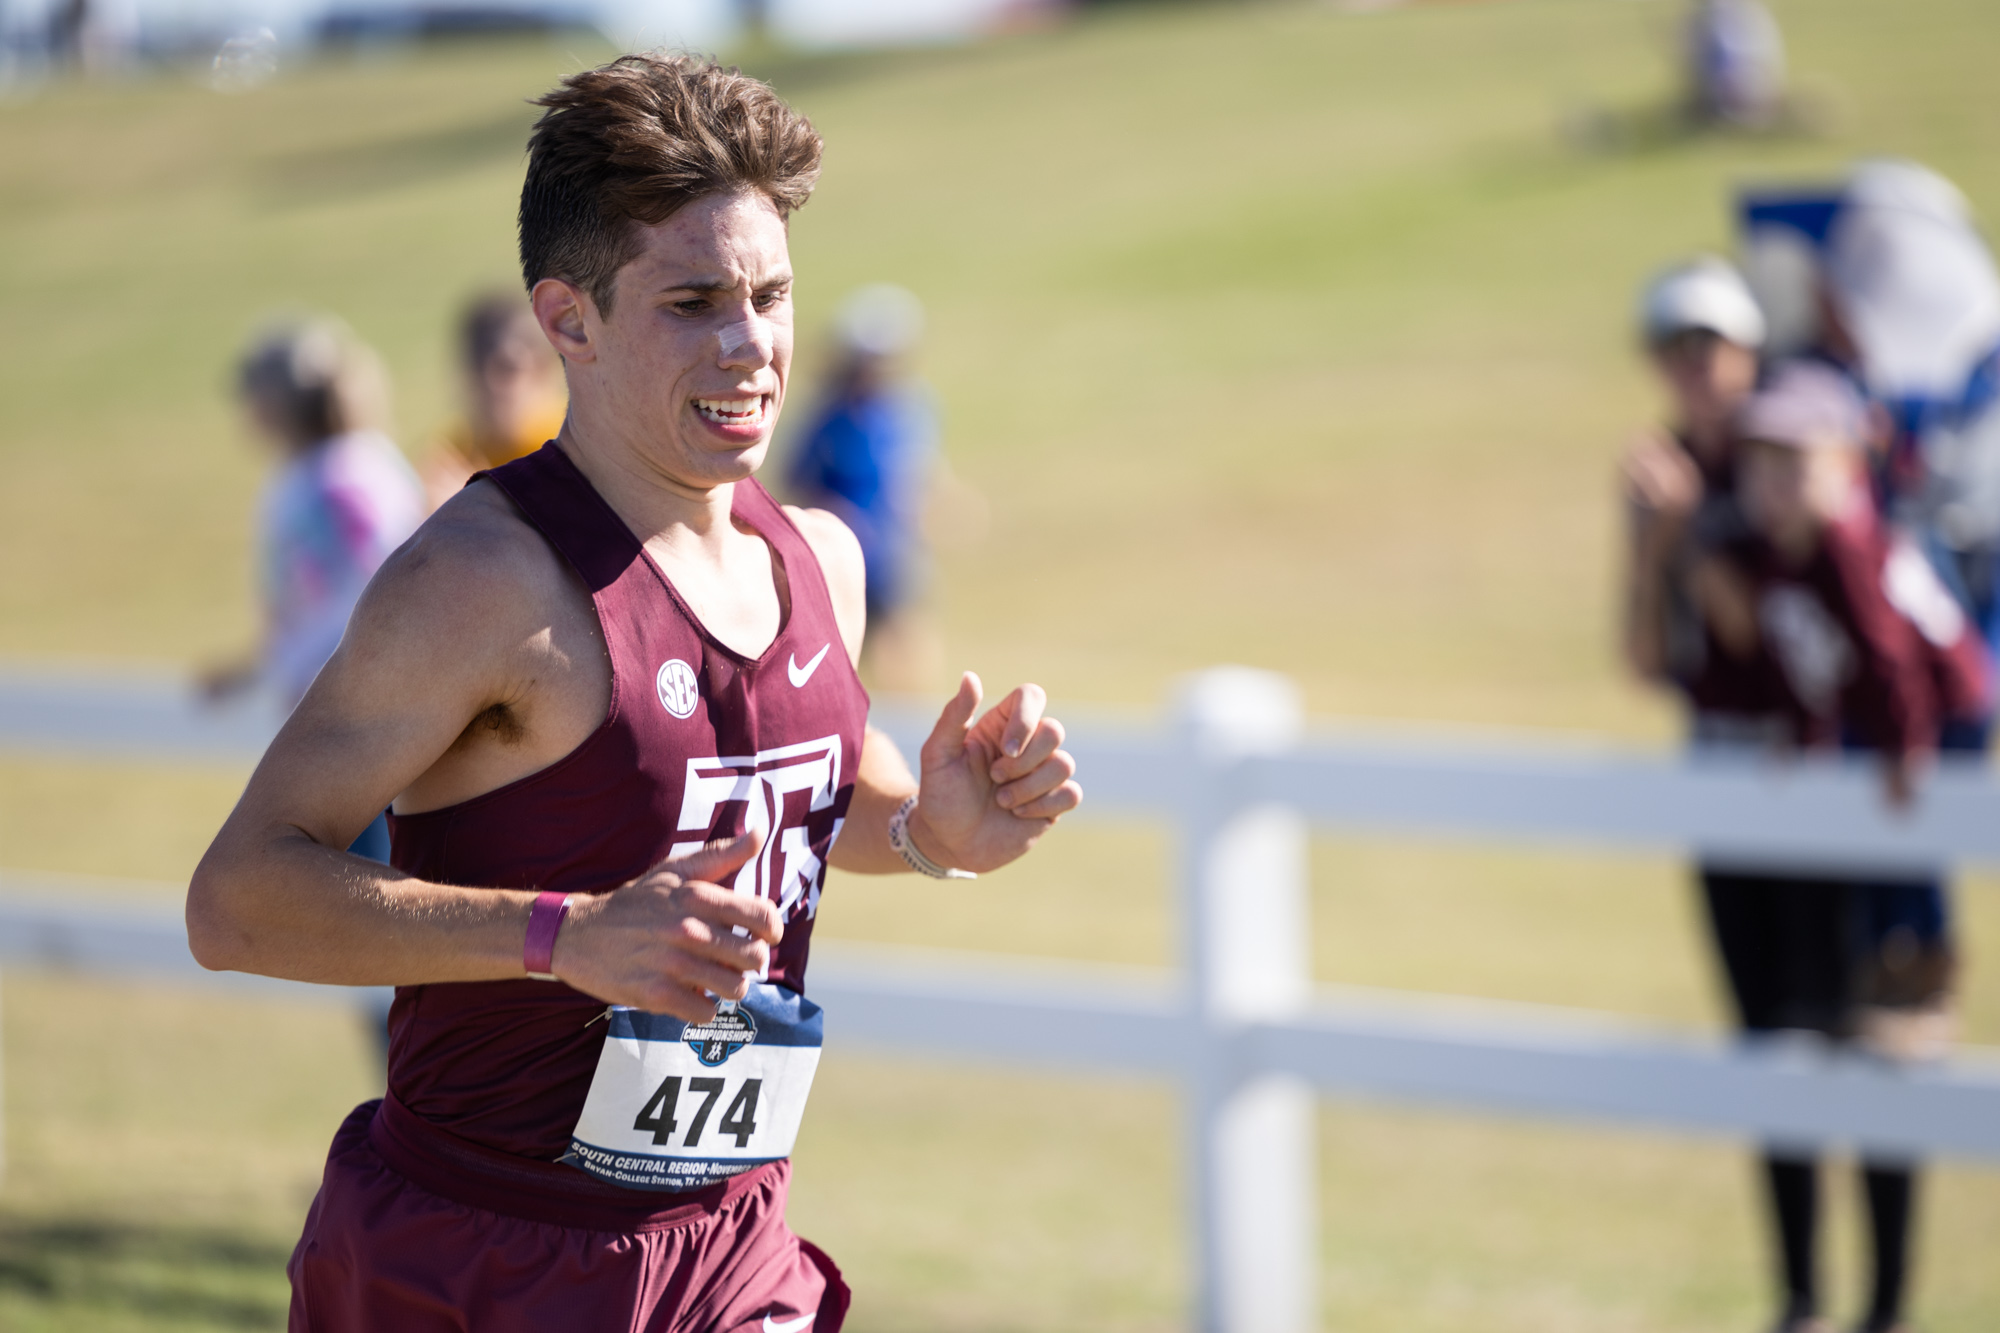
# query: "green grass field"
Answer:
x=1272 y=334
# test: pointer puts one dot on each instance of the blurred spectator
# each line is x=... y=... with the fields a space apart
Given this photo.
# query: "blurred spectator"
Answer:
x=871 y=457
x=1911 y=304
x=1735 y=63
x=1874 y=654
x=342 y=498
x=1702 y=330
x=1871 y=647
x=513 y=394
x=1766 y=590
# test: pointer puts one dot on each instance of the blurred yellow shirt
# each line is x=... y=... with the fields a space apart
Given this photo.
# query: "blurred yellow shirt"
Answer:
x=456 y=452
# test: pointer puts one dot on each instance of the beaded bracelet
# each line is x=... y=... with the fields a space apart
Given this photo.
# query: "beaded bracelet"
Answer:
x=899 y=838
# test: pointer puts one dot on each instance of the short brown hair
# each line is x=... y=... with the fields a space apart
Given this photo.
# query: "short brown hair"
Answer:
x=633 y=141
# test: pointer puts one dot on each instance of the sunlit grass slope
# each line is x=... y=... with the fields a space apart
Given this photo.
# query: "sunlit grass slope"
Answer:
x=1277 y=334
x=1272 y=334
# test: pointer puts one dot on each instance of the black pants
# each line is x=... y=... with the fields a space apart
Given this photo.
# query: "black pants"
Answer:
x=1788 y=947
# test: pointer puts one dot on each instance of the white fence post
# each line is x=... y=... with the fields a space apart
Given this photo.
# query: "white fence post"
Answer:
x=1246 y=945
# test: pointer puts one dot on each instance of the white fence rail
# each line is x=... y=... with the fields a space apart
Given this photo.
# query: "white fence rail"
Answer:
x=1239 y=1025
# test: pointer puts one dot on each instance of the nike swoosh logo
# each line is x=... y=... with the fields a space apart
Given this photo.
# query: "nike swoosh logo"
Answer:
x=790 y=1325
x=800 y=675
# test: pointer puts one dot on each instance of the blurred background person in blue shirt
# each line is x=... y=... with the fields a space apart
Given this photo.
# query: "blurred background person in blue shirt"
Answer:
x=871 y=456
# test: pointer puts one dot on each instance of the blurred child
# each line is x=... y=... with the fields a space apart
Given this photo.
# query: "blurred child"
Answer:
x=342 y=498
x=513 y=394
x=1872 y=653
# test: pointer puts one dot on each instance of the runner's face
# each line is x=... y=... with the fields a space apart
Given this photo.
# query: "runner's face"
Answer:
x=698 y=347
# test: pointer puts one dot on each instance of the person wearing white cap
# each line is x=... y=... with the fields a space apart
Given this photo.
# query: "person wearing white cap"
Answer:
x=1693 y=628
x=1702 y=331
x=1911 y=303
x=1911 y=282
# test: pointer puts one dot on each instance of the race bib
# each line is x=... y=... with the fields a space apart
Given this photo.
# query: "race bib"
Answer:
x=676 y=1106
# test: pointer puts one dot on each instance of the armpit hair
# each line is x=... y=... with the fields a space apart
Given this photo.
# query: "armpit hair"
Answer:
x=499 y=721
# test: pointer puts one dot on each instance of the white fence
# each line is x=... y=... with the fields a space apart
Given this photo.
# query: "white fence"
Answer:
x=1239 y=1025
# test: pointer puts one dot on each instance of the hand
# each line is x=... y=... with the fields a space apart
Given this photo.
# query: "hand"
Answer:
x=1661 y=479
x=669 y=941
x=988 y=789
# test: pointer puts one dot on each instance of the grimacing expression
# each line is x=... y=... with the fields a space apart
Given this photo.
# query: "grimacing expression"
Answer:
x=697 y=350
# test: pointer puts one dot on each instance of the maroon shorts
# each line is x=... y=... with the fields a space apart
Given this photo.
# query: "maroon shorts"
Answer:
x=402 y=1241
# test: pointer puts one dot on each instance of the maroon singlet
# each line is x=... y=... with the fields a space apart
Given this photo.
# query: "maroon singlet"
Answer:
x=502 y=1067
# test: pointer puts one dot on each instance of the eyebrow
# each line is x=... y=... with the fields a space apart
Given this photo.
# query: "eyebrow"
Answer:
x=709 y=286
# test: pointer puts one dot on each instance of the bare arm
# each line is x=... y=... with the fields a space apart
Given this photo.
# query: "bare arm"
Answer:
x=1661 y=488
x=455 y=623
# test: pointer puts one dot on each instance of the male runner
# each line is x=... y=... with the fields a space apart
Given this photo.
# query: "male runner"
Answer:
x=599 y=687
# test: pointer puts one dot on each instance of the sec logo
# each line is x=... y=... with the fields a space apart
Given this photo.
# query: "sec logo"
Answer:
x=678 y=690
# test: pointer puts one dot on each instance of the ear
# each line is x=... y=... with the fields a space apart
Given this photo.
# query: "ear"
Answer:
x=566 y=314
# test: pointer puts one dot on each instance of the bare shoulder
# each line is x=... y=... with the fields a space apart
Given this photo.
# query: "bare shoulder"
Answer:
x=831 y=539
x=470 y=608
x=465 y=617
x=475 y=562
x=839 y=553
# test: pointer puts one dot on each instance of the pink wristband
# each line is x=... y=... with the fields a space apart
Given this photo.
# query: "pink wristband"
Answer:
x=545 y=918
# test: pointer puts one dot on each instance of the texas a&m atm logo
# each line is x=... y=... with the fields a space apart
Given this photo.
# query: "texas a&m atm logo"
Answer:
x=787 y=793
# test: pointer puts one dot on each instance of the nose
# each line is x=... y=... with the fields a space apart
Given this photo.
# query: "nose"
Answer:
x=745 y=342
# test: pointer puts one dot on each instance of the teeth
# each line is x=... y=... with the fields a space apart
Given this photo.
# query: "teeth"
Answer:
x=730 y=411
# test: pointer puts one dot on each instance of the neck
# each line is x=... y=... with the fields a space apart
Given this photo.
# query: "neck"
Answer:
x=1707 y=440
x=653 y=503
